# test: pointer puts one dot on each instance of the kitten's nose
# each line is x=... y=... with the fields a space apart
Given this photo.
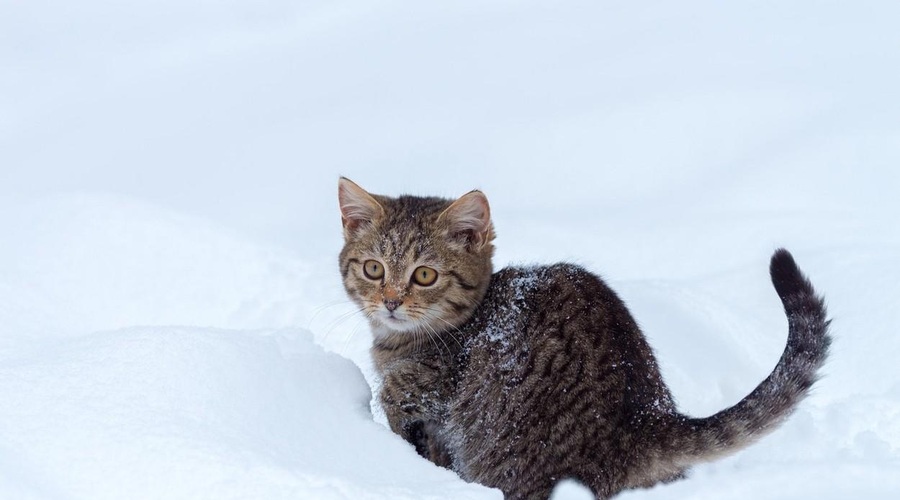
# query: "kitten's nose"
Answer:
x=391 y=305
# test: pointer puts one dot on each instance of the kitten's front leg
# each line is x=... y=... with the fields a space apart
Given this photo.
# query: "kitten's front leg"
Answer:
x=415 y=410
x=416 y=435
x=424 y=437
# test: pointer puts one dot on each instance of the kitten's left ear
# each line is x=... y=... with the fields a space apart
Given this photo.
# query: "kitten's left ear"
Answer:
x=470 y=220
x=358 y=207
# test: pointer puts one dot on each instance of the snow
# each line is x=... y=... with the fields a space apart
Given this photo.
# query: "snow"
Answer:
x=172 y=323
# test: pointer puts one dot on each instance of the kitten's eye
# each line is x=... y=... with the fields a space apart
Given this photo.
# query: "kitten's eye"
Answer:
x=424 y=276
x=373 y=270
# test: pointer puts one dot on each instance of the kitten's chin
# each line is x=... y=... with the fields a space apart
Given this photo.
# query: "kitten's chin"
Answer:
x=384 y=326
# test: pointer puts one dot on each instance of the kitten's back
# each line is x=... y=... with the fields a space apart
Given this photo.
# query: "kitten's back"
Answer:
x=560 y=382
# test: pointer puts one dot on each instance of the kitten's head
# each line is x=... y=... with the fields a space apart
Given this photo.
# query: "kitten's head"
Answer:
x=415 y=264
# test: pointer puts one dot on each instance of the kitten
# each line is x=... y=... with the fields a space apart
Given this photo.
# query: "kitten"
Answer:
x=524 y=377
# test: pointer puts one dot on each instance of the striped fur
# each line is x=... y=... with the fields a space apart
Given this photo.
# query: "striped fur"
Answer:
x=521 y=378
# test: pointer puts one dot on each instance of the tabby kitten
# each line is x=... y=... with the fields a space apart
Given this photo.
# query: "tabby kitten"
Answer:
x=527 y=376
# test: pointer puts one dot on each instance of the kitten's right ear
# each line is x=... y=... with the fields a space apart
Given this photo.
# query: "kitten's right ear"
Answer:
x=469 y=220
x=358 y=207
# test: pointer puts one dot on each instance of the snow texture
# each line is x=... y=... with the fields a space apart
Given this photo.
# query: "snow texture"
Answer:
x=172 y=323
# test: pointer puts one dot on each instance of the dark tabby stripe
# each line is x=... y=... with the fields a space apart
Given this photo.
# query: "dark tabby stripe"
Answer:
x=345 y=270
x=462 y=282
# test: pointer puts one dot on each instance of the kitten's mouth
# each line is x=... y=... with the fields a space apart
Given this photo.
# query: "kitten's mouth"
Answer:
x=396 y=322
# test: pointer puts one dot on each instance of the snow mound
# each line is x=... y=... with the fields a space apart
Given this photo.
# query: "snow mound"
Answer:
x=80 y=263
x=200 y=413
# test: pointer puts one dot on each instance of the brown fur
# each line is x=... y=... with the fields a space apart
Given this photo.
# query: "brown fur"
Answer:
x=522 y=378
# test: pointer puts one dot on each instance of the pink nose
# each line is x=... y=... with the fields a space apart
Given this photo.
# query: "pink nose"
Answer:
x=391 y=305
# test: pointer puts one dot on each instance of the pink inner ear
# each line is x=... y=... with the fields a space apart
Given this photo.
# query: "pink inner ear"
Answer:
x=470 y=215
x=357 y=206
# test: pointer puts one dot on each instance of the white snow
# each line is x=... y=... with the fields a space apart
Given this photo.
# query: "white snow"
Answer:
x=172 y=323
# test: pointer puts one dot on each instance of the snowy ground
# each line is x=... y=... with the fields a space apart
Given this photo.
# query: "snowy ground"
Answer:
x=172 y=323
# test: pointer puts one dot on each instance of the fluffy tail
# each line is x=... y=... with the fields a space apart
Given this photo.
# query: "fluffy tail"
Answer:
x=773 y=400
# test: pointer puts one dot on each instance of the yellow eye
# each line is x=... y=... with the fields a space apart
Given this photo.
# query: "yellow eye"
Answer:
x=373 y=269
x=424 y=276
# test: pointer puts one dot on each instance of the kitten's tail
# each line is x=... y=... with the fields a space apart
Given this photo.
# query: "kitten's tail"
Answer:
x=773 y=400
